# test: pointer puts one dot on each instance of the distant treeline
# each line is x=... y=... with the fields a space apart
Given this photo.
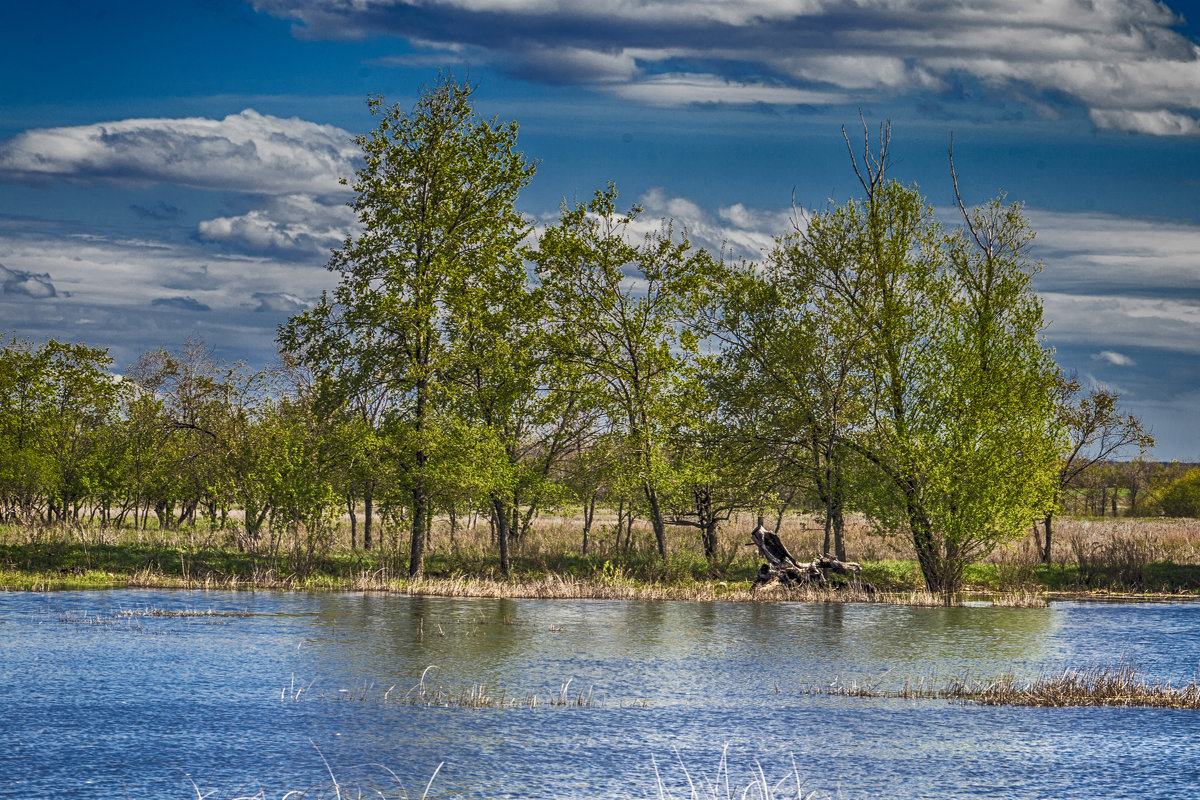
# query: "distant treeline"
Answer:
x=875 y=361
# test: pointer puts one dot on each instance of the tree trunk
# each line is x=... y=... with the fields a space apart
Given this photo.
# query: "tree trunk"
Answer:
x=1045 y=551
x=500 y=515
x=589 y=513
x=420 y=517
x=350 y=507
x=941 y=572
x=420 y=496
x=368 y=514
x=656 y=519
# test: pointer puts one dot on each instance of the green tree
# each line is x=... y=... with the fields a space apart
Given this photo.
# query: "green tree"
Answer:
x=786 y=372
x=956 y=384
x=23 y=394
x=436 y=202
x=81 y=402
x=1182 y=497
x=614 y=308
x=57 y=405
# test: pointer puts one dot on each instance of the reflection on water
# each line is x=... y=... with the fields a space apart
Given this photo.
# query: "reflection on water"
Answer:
x=93 y=705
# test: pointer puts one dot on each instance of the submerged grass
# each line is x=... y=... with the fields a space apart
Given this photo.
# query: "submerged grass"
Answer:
x=479 y=696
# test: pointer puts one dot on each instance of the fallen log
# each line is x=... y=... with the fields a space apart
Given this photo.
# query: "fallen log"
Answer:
x=783 y=568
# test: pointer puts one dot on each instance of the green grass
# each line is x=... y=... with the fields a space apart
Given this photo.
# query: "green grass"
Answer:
x=1133 y=557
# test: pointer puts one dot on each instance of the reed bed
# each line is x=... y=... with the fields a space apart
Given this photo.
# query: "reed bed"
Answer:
x=1121 y=685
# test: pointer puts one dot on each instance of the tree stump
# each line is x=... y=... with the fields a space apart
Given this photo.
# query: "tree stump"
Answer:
x=783 y=569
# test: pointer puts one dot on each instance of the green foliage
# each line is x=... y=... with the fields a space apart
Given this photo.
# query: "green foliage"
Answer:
x=614 y=307
x=877 y=361
x=941 y=386
x=1182 y=498
x=440 y=241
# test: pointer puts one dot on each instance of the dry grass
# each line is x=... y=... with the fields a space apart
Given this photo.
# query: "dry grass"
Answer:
x=1120 y=685
x=1140 y=555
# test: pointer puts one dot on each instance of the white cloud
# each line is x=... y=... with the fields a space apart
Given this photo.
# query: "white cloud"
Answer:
x=579 y=65
x=126 y=277
x=1123 y=322
x=1114 y=358
x=134 y=296
x=246 y=152
x=1158 y=123
x=1121 y=255
x=292 y=225
x=681 y=89
x=1120 y=59
x=736 y=231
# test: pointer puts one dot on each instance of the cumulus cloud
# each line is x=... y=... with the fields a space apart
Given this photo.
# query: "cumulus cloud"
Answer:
x=736 y=231
x=19 y=282
x=1159 y=123
x=292 y=226
x=1121 y=60
x=246 y=152
x=1126 y=322
x=135 y=295
x=1114 y=358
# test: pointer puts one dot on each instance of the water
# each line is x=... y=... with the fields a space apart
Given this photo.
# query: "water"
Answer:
x=276 y=692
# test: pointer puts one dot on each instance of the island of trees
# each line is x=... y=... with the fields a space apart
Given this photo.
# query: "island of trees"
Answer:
x=468 y=364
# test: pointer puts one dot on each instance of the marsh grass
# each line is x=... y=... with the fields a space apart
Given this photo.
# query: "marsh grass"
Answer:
x=1112 y=555
x=1118 y=685
x=723 y=786
x=670 y=782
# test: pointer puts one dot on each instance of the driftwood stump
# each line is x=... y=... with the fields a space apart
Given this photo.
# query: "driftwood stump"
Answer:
x=783 y=569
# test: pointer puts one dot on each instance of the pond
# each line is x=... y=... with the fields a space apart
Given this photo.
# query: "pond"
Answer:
x=152 y=694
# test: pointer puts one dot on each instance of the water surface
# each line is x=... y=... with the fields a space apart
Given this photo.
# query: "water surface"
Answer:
x=273 y=691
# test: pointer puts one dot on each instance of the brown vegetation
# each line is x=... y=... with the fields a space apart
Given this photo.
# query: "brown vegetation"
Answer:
x=1119 y=685
x=1109 y=555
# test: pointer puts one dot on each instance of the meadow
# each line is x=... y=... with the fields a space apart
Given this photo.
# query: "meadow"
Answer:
x=1119 y=556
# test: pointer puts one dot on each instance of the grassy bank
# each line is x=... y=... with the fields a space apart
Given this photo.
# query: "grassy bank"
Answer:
x=1121 y=556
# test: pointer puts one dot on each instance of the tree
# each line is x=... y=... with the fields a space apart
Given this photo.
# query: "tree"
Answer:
x=1182 y=497
x=954 y=404
x=614 y=307
x=58 y=402
x=436 y=201
x=786 y=372
x=1094 y=432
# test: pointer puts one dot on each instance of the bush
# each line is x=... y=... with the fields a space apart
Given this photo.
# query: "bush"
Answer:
x=1182 y=498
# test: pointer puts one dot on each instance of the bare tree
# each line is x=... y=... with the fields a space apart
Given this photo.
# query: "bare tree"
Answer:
x=1096 y=431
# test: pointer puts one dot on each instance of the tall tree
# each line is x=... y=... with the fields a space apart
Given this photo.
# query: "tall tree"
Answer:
x=614 y=306
x=956 y=385
x=436 y=202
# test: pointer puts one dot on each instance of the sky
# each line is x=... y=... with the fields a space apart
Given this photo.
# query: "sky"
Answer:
x=170 y=170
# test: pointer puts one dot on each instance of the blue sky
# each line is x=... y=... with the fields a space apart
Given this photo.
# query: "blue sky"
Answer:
x=170 y=170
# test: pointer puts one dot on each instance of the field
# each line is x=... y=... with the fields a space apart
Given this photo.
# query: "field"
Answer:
x=1119 y=556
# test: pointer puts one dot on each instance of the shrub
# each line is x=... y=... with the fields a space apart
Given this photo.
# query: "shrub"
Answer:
x=1182 y=498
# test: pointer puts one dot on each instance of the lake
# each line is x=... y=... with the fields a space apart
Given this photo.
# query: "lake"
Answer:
x=168 y=694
